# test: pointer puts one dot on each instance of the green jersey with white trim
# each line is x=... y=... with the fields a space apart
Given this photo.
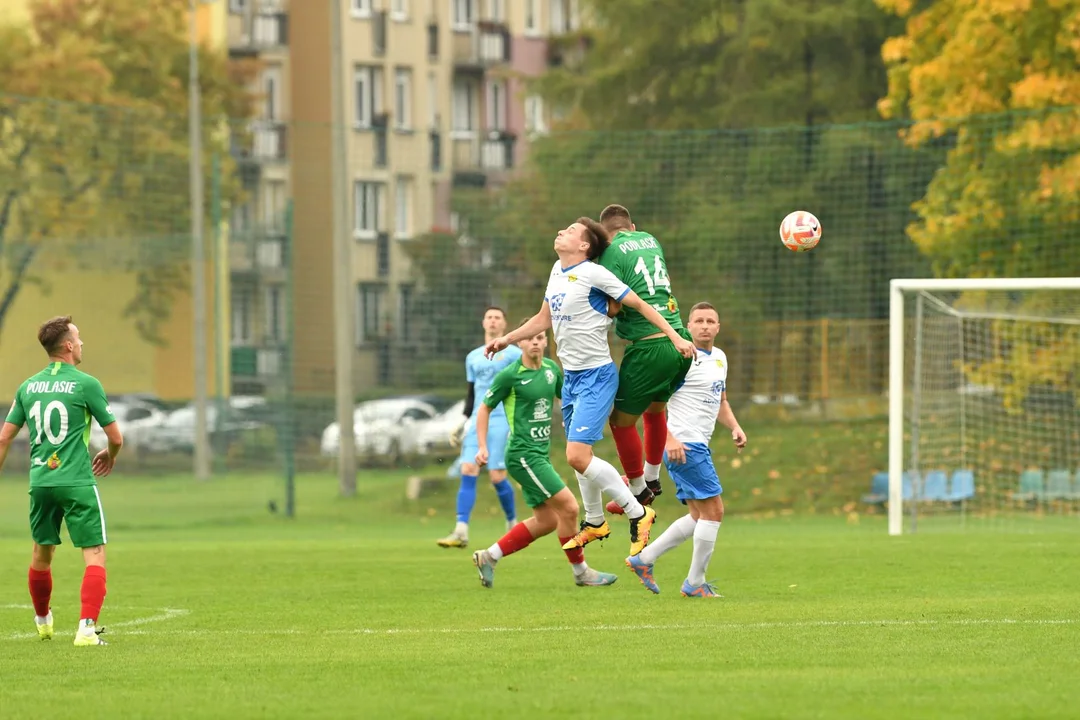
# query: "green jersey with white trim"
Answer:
x=529 y=398
x=637 y=259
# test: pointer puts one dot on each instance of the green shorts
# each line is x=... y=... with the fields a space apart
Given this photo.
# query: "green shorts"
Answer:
x=651 y=371
x=533 y=472
x=78 y=506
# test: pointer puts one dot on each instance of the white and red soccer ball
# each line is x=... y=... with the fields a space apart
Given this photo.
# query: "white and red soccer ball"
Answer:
x=800 y=231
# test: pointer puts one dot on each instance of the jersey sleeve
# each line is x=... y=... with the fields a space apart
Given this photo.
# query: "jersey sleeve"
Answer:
x=470 y=372
x=96 y=403
x=17 y=415
x=500 y=388
x=606 y=282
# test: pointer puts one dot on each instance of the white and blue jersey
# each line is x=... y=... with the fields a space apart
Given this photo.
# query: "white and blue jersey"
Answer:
x=577 y=297
x=480 y=372
x=691 y=419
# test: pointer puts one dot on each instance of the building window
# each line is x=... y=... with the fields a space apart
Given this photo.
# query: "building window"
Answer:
x=272 y=93
x=403 y=99
x=464 y=116
x=240 y=304
x=367 y=88
x=405 y=309
x=558 y=17
x=496 y=105
x=496 y=11
x=535 y=122
x=402 y=206
x=368 y=312
x=464 y=14
x=275 y=313
x=399 y=10
x=273 y=206
x=237 y=7
x=360 y=8
x=367 y=210
x=532 y=17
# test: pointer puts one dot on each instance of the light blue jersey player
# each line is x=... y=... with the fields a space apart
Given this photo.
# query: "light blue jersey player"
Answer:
x=576 y=307
x=479 y=372
x=692 y=414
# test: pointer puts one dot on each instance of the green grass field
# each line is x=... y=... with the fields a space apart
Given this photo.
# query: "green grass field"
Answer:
x=218 y=608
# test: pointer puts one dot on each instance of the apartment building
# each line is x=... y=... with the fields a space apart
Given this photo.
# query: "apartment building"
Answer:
x=432 y=101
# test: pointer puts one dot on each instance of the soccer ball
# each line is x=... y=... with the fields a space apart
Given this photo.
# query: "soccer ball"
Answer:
x=800 y=231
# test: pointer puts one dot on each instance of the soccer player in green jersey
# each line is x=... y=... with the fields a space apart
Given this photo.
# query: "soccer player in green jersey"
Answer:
x=528 y=389
x=58 y=403
x=652 y=367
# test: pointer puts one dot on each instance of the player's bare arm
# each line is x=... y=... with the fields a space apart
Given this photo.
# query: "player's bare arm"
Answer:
x=538 y=323
x=614 y=307
x=726 y=417
x=685 y=347
x=103 y=462
x=676 y=451
x=483 y=415
x=7 y=434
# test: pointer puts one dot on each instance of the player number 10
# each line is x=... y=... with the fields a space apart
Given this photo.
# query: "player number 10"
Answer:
x=659 y=276
x=45 y=423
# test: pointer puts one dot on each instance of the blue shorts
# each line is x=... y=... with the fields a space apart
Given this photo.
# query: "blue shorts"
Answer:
x=695 y=479
x=498 y=435
x=587 y=398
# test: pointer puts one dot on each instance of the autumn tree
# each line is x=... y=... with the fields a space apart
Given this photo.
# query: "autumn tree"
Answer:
x=94 y=146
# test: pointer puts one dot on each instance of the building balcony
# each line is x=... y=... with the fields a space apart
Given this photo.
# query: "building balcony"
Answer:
x=259 y=33
x=257 y=362
x=261 y=141
x=263 y=254
x=477 y=158
x=485 y=46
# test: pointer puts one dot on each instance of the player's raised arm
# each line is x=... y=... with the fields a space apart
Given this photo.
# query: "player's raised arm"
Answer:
x=631 y=300
x=538 y=323
x=726 y=417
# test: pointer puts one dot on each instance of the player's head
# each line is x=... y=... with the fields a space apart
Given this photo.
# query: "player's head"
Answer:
x=703 y=324
x=584 y=237
x=494 y=321
x=533 y=347
x=60 y=338
x=615 y=218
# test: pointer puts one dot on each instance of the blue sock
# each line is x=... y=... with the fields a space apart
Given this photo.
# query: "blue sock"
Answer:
x=506 y=498
x=466 y=498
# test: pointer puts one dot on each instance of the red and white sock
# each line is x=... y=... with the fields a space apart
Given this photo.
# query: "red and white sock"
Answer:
x=40 y=584
x=655 y=440
x=92 y=594
x=518 y=538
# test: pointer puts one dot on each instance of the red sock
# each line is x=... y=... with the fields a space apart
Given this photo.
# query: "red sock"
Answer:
x=40 y=582
x=518 y=538
x=655 y=437
x=575 y=556
x=93 y=592
x=628 y=445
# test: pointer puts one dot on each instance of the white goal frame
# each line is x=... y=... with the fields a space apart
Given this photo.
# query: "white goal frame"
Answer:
x=897 y=288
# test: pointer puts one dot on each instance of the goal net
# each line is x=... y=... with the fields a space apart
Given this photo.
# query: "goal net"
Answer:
x=984 y=420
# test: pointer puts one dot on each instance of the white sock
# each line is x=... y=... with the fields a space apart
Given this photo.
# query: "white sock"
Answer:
x=579 y=568
x=652 y=472
x=591 y=499
x=495 y=552
x=42 y=619
x=704 y=543
x=675 y=535
x=607 y=478
x=462 y=529
x=637 y=485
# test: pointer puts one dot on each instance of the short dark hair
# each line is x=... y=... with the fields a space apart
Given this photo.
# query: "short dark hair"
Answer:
x=53 y=332
x=615 y=217
x=489 y=308
x=703 y=306
x=597 y=237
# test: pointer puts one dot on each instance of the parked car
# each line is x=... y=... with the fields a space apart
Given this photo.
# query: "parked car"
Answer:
x=430 y=439
x=177 y=432
x=379 y=427
x=136 y=418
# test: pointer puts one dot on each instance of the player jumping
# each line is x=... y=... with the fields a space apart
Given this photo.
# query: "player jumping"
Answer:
x=693 y=412
x=479 y=371
x=651 y=367
x=575 y=306
x=527 y=389
x=59 y=402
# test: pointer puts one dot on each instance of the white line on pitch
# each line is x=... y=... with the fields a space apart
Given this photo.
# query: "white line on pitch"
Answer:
x=588 y=628
x=163 y=615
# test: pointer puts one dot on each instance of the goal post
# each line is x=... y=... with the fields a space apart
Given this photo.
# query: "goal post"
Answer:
x=1013 y=335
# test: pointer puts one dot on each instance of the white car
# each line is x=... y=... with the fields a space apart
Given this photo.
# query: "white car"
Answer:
x=135 y=418
x=177 y=432
x=379 y=427
x=431 y=438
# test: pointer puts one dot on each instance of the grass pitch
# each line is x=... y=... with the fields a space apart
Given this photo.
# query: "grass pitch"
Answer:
x=217 y=608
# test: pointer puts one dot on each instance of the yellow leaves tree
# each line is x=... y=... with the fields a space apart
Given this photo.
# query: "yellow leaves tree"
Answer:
x=94 y=147
x=997 y=82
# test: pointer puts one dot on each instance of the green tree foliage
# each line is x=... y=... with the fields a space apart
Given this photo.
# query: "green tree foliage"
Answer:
x=94 y=144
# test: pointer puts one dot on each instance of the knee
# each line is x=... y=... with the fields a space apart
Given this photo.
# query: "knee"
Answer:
x=620 y=419
x=579 y=455
x=469 y=469
x=41 y=557
x=712 y=510
x=497 y=476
